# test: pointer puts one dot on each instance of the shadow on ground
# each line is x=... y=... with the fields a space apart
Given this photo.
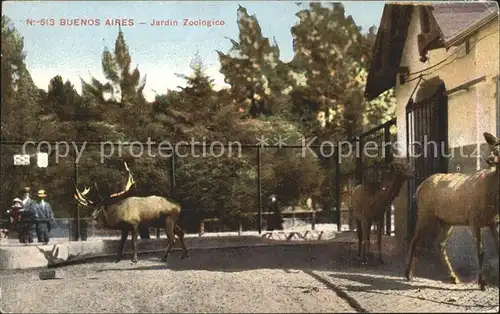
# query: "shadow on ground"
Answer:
x=340 y=257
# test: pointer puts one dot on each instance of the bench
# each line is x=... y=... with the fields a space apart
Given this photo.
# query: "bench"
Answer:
x=293 y=234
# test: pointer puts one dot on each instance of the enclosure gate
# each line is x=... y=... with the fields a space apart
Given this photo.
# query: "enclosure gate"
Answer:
x=426 y=144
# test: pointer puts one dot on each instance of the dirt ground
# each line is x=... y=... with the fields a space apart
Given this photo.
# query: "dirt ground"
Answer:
x=277 y=279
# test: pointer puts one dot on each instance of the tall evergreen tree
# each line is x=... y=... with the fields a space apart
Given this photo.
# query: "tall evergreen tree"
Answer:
x=20 y=98
x=126 y=85
x=253 y=69
x=125 y=113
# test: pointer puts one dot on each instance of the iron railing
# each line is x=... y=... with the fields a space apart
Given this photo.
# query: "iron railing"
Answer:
x=337 y=214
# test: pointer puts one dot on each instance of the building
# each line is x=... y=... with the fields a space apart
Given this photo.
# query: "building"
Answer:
x=442 y=59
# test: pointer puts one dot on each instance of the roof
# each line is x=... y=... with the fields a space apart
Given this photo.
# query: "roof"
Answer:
x=451 y=20
x=454 y=17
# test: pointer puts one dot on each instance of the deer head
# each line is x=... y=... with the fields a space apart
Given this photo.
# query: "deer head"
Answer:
x=494 y=143
x=397 y=168
x=100 y=205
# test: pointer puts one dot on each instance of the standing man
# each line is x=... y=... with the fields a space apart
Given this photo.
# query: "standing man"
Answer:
x=44 y=217
x=276 y=221
x=27 y=225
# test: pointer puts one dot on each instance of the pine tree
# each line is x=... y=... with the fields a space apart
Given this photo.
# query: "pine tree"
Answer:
x=253 y=69
x=20 y=97
x=126 y=86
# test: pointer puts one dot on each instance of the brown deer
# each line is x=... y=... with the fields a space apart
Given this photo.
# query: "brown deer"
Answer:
x=454 y=199
x=369 y=205
x=127 y=213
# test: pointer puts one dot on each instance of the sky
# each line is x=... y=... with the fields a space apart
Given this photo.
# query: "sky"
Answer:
x=75 y=52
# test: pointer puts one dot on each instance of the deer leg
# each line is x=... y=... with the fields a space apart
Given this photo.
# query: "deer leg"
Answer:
x=444 y=234
x=365 y=227
x=134 y=245
x=411 y=254
x=180 y=233
x=380 y=228
x=122 y=245
x=360 y=236
x=494 y=234
x=480 y=255
x=169 y=229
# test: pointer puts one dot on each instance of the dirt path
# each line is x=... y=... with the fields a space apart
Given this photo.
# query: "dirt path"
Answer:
x=314 y=278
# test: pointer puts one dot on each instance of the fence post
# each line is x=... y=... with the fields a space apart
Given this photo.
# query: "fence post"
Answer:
x=259 y=186
x=359 y=160
x=337 y=187
x=388 y=159
x=77 y=238
x=202 y=227
x=172 y=173
x=313 y=213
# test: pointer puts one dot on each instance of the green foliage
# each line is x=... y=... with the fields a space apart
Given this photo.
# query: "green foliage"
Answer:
x=253 y=69
x=318 y=93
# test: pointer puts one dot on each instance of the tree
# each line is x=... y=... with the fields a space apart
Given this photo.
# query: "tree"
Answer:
x=62 y=99
x=123 y=113
x=253 y=69
x=12 y=59
x=333 y=56
x=20 y=97
x=125 y=86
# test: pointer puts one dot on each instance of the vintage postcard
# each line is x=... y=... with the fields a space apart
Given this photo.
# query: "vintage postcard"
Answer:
x=196 y=156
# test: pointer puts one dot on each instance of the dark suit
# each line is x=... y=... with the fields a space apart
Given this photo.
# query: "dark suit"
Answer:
x=44 y=216
x=27 y=225
x=276 y=220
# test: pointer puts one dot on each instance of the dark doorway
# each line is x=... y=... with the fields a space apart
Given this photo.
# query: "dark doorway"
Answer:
x=427 y=138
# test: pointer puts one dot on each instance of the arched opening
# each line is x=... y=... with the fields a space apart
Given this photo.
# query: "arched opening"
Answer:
x=427 y=138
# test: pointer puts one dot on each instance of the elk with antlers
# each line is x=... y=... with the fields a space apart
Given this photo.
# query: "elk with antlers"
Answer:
x=369 y=205
x=454 y=199
x=127 y=213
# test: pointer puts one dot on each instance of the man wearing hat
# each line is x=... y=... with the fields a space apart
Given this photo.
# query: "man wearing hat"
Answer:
x=26 y=228
x=44 y=216
x=26 y=197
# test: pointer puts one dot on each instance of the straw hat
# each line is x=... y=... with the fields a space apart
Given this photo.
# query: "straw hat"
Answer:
x=17 y=200
x=41 y=193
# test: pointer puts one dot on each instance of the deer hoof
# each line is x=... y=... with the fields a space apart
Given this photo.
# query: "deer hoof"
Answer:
x=134 y=260
x=185 y=255
x=164 y=259
x=482 y=284
x=454 y=279
x=409 y=275
x=118 y=260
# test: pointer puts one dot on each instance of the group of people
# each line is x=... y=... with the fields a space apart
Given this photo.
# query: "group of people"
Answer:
x=31 y=216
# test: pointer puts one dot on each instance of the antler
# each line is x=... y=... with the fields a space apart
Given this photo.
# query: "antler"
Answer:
x=129 y=184
x=80 y=197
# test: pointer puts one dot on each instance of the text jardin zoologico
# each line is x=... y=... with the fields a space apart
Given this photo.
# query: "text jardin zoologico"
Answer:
x=82 y=22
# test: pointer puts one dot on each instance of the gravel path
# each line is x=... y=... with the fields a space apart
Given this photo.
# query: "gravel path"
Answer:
x=303 y=278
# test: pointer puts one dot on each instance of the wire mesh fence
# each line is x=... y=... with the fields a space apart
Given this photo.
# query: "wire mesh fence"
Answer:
x=221 y=187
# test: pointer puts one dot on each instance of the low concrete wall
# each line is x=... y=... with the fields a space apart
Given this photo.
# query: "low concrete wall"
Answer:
x=34 y=256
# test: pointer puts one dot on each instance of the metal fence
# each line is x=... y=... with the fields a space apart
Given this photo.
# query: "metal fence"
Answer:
x=260 y=170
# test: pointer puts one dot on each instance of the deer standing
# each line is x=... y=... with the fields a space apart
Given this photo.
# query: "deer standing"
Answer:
x=455 y=199
x=127 y=213
x=369 y=205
